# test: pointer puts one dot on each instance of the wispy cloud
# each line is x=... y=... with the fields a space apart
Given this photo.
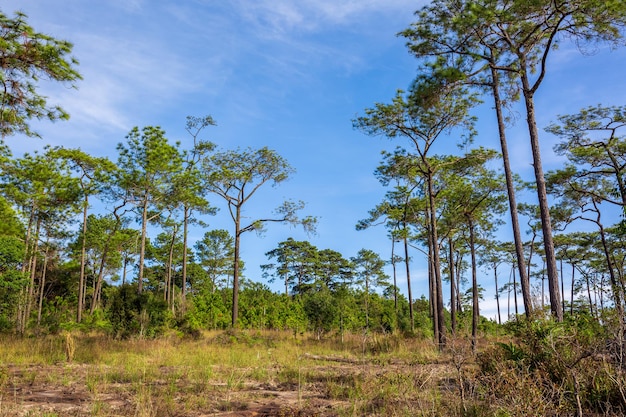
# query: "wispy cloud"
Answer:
x=279 y=17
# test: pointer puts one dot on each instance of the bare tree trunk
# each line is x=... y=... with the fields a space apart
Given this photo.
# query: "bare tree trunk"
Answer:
x=571 y=306
x=459 y=263
x=436 y=263
x=183 y=289
x=142 y=250
x=170 y=263
x=543 y=285
x=475 y=307
x=33 y=271
x=602 y=293
x=432 y=296
x=614 y=285
x=510 y=187
x=515 y=294
x=83 y=251
x=591 y=310
x=235 y=310
x=42 y=285
x=562 y=284
x=23 y=301
x=408 y=280
x=96 y=295
x=508 y=303
x=542 y=195
x=495 y=273
x=451 y=266
x=395 y=279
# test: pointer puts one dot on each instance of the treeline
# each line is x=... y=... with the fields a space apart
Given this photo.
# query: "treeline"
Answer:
x=500 y=52
x=61 y=255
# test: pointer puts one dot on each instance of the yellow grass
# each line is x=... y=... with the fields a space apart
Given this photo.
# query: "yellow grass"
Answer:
x=225 y=373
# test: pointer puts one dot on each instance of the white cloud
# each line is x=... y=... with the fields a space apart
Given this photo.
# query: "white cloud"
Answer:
x=282 y=16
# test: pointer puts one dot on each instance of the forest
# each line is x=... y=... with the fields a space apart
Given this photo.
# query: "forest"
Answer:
x=96 y=257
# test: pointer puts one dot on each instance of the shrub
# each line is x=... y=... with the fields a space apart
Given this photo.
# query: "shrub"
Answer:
x=555 y=368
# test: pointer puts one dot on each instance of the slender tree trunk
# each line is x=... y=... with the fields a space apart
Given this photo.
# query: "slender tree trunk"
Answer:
x=508 y=302
x=21 y=308
x=432 y=294
x=591 y=310
x=42 y=286
x=83 y=251
x=475 y=307
x=515 y=294
x=235 y=311
x=510 y=187
x=543 y=285
x=367 y=310
x=451 y=266
x=495 y=273
x=183 y=289
x=614 y=285
x=436 y=263
x=95 y=301
x=33 y=271
x=531 y=253
x=170 y=264
x=562 y=284
x=602 y=293
x=395 y=279
x=571 y=306
x=542 y=195
x=459 y=263
x=142 y=249
x=408 y=280
x=124 y=271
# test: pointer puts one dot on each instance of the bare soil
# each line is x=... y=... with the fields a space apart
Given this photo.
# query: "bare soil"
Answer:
x=70 y=390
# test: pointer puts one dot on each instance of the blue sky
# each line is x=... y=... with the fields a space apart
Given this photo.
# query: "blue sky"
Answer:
x=287 y=74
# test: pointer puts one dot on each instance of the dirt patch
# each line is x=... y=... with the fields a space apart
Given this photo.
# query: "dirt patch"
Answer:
x=319 y=389
x=82 y=390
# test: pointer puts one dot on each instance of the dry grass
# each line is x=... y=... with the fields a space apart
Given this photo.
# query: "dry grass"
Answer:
x=235 y=374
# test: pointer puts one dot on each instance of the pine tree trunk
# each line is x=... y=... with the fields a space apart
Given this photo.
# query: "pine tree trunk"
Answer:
x=436 y=264
x=495 y=275
x=395 y=280
x=475 y=307
x=83 y=251
x=42 y=286
x=142 y=250
x=33 y=271
x=510 y=188
x=542 y=195
x=451 y=266
x=515 y=294
x=408 y=281
x=183 y=290
x=235 y=310
x=571 y=306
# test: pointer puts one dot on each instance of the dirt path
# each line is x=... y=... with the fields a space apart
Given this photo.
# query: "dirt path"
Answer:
x=70 y=390
x=97 y=390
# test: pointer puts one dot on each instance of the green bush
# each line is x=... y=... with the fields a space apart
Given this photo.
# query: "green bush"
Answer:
x=134 y=314
x=560 y=368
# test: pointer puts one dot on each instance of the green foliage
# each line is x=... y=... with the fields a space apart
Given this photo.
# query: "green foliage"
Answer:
x=215 y=253
x=235 y=176
x=208 y=310
x=12 y=281
x=10 y=225
x=27 y=56
x=134 y=314
x=568 y=364
x=321 y=311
